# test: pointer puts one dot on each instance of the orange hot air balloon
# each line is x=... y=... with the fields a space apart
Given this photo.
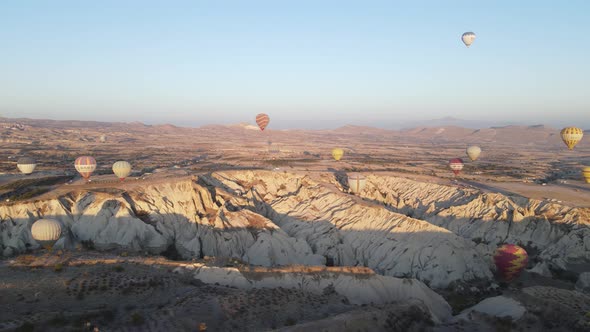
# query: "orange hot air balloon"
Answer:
x=456 y=164
x=510 y=260
x=262 y=120
x=85 y=165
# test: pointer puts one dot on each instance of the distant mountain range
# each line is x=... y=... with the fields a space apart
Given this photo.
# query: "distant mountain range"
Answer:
x=451 y=121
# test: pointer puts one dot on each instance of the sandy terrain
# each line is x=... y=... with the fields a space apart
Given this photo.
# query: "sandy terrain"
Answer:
x=411 y=251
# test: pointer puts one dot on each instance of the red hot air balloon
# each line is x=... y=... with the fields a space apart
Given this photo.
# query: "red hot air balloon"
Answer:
x=262 y=120
x=456 y=164
x=510 y=260
x=85 y=166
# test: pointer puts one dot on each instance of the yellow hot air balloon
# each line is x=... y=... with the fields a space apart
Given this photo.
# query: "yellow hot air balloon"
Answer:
x=586 y=174
x=46 y=232
x=473 y=152
x=571 y=136
x=468 y=38
x=337 y=153
x=122 y=169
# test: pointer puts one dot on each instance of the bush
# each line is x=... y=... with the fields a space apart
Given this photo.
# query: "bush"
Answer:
x=58 y=267
x=118 y=268
x=137 y=319
x=290 y=321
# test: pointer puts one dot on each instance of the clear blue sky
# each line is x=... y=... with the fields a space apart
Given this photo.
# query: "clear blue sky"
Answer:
x=308 y=64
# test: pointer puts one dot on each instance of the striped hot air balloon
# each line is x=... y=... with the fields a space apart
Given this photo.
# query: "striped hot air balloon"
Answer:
x=586 y=174
x=571 y=136
x=85 y=165
x=46 y=232
x=510 y=260
x=262 y=120
x=337 y=153
x=456 y=165
x=356 y=182
x=122 y=169
x=26 y=165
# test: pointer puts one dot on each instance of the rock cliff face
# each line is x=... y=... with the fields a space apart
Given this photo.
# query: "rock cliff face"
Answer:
x=560 y=234
x=270 y=218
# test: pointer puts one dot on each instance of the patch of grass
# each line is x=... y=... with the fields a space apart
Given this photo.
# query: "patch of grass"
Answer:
x=29 y=194
x=58 y=267
x=58 y=320
x=36 y=182
x=137 y=319
x=26 y=327
x=290 y=321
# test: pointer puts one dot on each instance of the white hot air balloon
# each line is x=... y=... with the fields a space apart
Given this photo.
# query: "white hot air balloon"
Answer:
x=356 y=182
x=46 y=232
x=122 y=169
x=26 y=165
x=473 y=152
x=468 y=38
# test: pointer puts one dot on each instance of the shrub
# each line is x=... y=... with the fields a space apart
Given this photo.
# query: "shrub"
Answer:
x=137 y=319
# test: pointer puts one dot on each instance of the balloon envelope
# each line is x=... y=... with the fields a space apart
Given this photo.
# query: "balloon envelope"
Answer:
x=85 y=166
x=586 y=174
x=473 y=152
x=510 y=260
x=468 y=38
x=46 y=232
x=26 y=165
x=456 y=165
x=356 y=182
x=337 y=153
x=122 y=169
x=262 y=120
x=571 y=136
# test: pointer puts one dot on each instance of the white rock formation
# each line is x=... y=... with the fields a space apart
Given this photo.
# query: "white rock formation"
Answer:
x=541 y=269
x=352 y=232
x=583 y=283
x=274 y=218
x=364 y=289
x=561 y=233
x=499 y=306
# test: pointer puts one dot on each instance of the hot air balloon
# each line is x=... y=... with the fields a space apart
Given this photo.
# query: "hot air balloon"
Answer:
x=571 y=136
x=26 y=165
x=473 y=152
x=510 y=260
x=262 y=120
x=586 y=174
x=46 y=232
x=122 y=169
x=103 y=138
x=356 y=182
x=85 y=166
x=337 y=153
x=456 y=164
x=468 y=38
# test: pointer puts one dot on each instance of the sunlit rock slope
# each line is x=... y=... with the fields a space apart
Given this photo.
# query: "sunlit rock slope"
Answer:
x=426 y=231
